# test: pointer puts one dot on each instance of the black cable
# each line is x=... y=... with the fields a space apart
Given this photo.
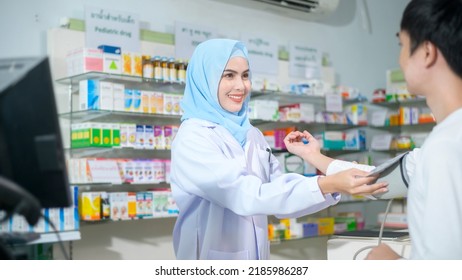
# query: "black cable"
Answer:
x=55 y=230
x=15 y=199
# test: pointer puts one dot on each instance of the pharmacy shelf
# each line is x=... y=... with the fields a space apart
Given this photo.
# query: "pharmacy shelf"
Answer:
x=110 y=187
x=128 y=220
x=396 y=104
x=110 y=152
x=398 y=128
x=130 y=81
x=52 y=237
x=120 y=117
x=285 y=98
x=392 y=151
x=300 y=125
x=294 y=238
x=324 y=151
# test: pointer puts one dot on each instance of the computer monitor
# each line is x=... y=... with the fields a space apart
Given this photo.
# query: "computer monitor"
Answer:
x=31 y=150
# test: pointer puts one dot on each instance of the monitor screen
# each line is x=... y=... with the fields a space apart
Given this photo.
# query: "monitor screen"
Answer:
x=31 y=150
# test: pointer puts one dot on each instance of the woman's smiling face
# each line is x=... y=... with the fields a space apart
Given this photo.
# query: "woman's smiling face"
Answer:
x=234 y=84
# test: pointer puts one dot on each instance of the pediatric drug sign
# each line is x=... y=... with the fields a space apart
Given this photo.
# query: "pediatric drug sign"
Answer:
x=113 y=28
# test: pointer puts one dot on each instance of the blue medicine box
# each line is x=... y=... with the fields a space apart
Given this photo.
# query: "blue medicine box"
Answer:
x=310 y=229
x=110 y=49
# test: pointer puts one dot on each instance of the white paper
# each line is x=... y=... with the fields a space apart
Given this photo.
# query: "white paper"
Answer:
x=334 y=103
x=188 y=36
x=304 y=61
x=381 y=142
x=378 y=118
x=263 y=54
x=110 y=27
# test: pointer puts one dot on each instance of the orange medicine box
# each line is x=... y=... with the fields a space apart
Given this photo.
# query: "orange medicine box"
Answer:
x=326 y=226
x=156 y=103
x=90 y=206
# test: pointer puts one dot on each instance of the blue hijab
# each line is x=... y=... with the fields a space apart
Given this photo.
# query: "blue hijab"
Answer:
x=202 y=79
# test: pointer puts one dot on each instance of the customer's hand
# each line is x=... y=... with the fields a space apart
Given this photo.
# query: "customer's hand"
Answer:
x=352 y=181
x=382 y=252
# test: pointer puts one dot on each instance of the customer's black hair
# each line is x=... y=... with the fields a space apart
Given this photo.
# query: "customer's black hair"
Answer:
x=437 y=21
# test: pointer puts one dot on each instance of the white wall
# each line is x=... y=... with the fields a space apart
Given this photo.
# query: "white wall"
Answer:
x=359 y=57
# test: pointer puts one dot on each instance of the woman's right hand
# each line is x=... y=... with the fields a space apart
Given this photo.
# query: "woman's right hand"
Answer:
x=310 y=152
x=295 y=145
x=352 y=181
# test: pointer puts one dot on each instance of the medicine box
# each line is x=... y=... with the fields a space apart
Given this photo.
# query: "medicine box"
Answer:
x=89 y=95
x=310 y=229
x=168 y=104
x=131 y=204
x=83 y=60
x=333 y=140
x=112 y=59
x=128 y=100
x=350 y=222
x=156 y=103
x=136 y=103
x=115 y=135
x=355 y=139
x=145 y=98
x=106 y=134
x=264 y=110
x=106 y=96
x=90 y=206
x=118 y=93
x=356 y=114
x=86 y=135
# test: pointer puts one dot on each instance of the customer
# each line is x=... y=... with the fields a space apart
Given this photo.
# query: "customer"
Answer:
x=224 y=178
x=431 y=59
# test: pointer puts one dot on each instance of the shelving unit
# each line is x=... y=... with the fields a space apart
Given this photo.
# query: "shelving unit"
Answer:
x=401 y=129
x=52 y=237
x=74 y=116
x=315 y=127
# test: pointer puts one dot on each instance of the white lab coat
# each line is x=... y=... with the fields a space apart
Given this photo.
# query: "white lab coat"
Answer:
x=225 y=192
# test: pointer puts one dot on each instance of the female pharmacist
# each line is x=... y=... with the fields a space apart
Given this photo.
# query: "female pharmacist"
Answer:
x=223 y=176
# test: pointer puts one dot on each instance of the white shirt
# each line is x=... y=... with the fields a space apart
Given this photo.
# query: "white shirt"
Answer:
x=435 y=193
x=225 y=192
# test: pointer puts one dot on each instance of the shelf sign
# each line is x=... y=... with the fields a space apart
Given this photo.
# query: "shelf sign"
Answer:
x=334 y=103
x=113 y=28
x=304 y=62
x=188 y=36
x=263 y=54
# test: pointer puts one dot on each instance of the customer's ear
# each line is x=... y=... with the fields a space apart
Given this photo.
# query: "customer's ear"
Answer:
x=431 y=53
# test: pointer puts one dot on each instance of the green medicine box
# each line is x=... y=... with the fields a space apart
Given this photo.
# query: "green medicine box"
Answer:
x=86 y=135
x=349 y=221
x=115 y=134
x=106 y=133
